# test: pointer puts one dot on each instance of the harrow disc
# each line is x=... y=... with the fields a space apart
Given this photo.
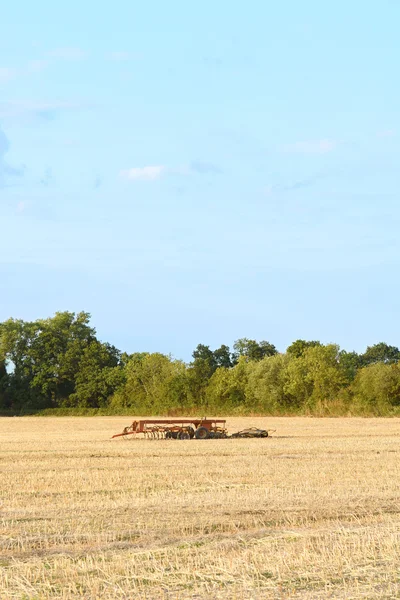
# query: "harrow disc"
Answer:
x=201 y=433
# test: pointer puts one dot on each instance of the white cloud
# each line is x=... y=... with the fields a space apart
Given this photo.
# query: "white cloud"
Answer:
x=6 y=74
x=33 y=66
x=205 y=168
x=386 y=133
x=268 y=191
x=45 y=110
x=36 y=66
x=121 y=55
x=68 y=53
x=150 y=173
x=312 y=147
x=7 y=170
x=154 y=172
x=293 y=185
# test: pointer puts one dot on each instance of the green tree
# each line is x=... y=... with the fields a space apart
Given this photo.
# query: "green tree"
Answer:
x=47 y=356
x=198 y=376
x=315 y=378
x=267 y=383
x=57 y=351
x=3 y=384
x=154 y=383
x=227 y=388
x=253 y=350
x=223 y=357
x=298 y=347
x=203 y=354
x=16 y=339
x=200 y=370
x=380 y=353
x=99 y=376
x=350 y=363
x=376 y=388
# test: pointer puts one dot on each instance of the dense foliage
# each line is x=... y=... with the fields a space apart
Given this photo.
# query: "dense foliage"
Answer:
x=60 y=363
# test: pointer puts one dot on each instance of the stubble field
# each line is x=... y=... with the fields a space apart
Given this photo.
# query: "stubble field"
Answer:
x=312 y=512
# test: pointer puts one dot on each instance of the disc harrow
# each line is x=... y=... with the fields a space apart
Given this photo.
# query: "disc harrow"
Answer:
x=187 y=429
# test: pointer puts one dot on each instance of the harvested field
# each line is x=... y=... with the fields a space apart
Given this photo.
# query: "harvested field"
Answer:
x=312 y=512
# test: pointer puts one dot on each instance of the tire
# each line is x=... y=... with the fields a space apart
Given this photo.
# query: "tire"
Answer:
x=201 y=433
x=183 y=435
x=190 y=431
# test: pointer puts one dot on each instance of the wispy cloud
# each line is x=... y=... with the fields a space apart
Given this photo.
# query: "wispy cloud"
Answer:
x=119 y=55
x=6 y=74
x=299 y=184
x=7 y=170
x=37 y=66
x=15 y=171
x=155 y=172
x=42 y=110
x=204 y=168
x=52 y=57
x=68 y=53
x=47 y=178
x=4 y=146
x=311 y=147
x=386 y=133
x=32 y=67
x=150 y=173
x=292 y=186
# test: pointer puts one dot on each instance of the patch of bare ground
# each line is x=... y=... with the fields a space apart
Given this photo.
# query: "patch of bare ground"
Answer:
x=311 y=512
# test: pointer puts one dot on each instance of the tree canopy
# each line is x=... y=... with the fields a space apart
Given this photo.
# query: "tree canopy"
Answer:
x=60 y=363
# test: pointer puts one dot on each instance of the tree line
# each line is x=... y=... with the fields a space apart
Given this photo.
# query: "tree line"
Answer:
x=59 y=363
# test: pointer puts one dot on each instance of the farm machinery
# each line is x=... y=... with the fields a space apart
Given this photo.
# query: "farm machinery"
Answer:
x=186 y=429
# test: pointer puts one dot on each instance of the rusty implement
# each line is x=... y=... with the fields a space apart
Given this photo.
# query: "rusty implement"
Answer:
x=187 y=429
x=182 y=429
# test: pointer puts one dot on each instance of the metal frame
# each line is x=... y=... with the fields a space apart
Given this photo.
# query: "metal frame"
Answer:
x=158 y=428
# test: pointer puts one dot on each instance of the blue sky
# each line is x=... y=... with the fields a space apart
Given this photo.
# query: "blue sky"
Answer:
x=202 y=172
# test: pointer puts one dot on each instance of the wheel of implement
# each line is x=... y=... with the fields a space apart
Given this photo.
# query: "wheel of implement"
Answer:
x=183 y=435
x=212 y=435
x=201 y=433
x=168 y=435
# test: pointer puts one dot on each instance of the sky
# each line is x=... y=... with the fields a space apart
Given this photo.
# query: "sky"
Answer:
x=199 y=172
